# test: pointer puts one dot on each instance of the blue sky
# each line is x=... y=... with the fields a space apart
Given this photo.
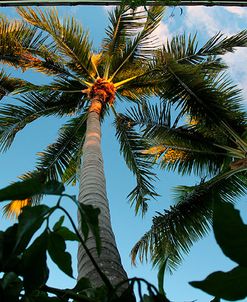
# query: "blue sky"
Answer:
x=205 y=257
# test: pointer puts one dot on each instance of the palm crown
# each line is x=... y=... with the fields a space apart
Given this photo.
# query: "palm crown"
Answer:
x=131 y=66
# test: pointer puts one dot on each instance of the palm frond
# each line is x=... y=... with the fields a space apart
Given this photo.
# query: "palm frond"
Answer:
x=148 y=116
x=143 y=86
x=219 y=45
x=69 y=37
x=71 y=173
x=14 y=118
x=131 y=146
x=57 y=159
x=181 y=148
x=9 y=84
x=13 y=209
x=143 y=44
x=64 y=84
x=19 y=42
x=123 y=24
x=185 y=49
x=174 y=232
x=208 y=98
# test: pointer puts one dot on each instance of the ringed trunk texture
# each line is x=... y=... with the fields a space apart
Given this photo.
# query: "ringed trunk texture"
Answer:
x=93 y=192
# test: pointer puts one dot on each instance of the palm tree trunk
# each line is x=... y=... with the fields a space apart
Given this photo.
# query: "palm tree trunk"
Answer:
x=93 y=192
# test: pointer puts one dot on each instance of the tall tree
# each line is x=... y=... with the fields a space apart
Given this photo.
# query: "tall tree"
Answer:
x=131 y=66
x=206 y=144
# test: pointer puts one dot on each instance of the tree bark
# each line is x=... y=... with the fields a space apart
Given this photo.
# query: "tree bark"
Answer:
x=93 y=192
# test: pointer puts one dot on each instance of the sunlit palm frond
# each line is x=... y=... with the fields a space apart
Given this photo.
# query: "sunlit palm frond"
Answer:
x=191 y=160
x=21 y=45
x=174 y=232
x=69 y=37
x=57 y=158
x=143 y=86
x=13 y=209
x=131 y=146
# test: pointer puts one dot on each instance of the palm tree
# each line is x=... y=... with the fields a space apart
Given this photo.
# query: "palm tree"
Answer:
x=131 y=66
x=213 y=146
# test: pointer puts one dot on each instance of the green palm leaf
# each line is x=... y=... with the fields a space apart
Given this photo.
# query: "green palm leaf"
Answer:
x=207 y=98
x=69 y=37
x=174 y=232
x=185 y=49
x=192 y=151
x=12 y=85
x=131 y=146
x=14 y=118
x=143 y=44
x=58 y=158
x=123 y=24
x=24 y=46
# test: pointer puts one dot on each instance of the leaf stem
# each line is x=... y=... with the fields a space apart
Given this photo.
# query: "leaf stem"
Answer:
x=66 y=294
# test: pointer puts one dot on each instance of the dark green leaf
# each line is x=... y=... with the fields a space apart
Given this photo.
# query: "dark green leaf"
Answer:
x=82 y=284
x=67 y=234
x=147 y=298
x=38 y=296
x=1 y=246
x=230 y=232
x=30 y=187
x=21 y=190
x=30 y=220
x=127 y=295
x=155 y=298
x=59 y=223
x=56 y=250
x=91 y=218
x=10 y=260
x=226 y=285
x=53 y=187
x=35 y=270
x=11 y=285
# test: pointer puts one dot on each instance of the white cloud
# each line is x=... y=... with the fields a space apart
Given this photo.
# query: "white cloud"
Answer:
x=239 y=11
x=209 y=21
x=163 y=33
x=237 y=68
x=203 y=19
